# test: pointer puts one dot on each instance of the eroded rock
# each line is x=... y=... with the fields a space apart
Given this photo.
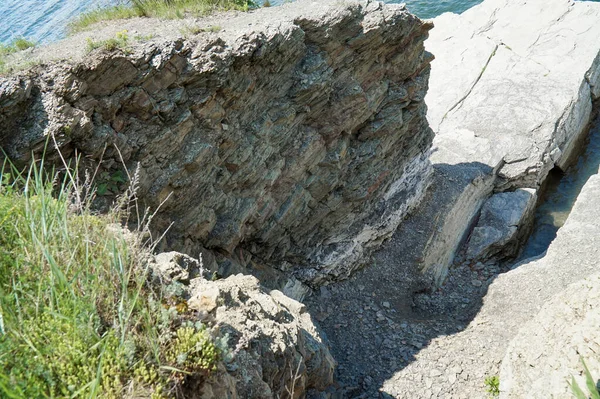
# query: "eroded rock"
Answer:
x=275 y=349
x=295 y=137
x=500 y=218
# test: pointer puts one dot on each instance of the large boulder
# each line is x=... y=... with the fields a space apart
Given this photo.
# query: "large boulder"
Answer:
x=510 y=98
x=293 y=136
x=275 y=350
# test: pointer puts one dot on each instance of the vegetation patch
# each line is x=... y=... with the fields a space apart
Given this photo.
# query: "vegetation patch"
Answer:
x=168 y=9
x=19 y=44
x=78 y=317
x=590 y=383
x=493 y=385
x=120 y=41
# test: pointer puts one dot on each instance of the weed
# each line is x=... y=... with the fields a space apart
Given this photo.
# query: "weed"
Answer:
x=120 y=41
x=78 y=317
x=590 y=383
x=110 y=183
x=194 y=30
x=19 y=44
x=493 y=385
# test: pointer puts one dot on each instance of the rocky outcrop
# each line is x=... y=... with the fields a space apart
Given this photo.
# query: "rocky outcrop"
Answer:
x=418 y=344
x=295 y=137
x=275 y=350
x=509 y=100
x=511 y=313
x=499 y=220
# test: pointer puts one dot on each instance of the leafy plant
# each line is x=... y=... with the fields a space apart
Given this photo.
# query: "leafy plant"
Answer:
x=590 y=383
x=110 y=183
x=493 y=385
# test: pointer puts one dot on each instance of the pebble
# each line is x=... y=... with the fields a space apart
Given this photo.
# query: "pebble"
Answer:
x=476 y=283
x=386 y=305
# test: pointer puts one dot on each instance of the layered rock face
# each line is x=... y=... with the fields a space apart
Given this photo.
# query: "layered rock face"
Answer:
x=295 y=137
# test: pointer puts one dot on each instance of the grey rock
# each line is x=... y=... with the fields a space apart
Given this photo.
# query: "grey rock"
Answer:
x=545 y=355
x=271 y=338
x=504 y=326
x=295 y=139
x=509 y=100
x=497 y=227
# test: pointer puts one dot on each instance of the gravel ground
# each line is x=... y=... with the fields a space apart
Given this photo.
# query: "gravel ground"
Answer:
x=382 y=320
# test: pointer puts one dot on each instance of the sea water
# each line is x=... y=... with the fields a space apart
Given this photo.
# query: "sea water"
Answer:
x=44 y=21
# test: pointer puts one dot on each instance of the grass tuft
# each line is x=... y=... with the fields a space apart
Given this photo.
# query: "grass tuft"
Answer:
x=78 y=317
x=493 y=385
x=590 y=383
x=167 y=9
x=19 y=44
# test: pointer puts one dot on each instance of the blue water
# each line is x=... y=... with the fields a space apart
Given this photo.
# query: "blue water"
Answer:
x=44 y=21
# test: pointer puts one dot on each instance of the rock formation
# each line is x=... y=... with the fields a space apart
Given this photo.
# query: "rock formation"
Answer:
x=295 y=137
x=541 y=360
x=528 y=331
x=510 y=99
x=275 y=349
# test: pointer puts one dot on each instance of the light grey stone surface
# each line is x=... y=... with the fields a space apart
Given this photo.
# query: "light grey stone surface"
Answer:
x=512 y=301
x=511 y=91
x=272 y=341
x=500 y=218
x=547 y=352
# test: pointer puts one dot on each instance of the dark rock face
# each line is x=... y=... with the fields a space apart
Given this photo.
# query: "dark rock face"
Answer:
x=298 y=142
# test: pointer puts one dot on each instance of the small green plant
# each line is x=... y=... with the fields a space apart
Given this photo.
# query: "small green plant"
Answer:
x=120 y=41
x=493 y=385
x=590 y=383
x=110 y=183
x=21 y=44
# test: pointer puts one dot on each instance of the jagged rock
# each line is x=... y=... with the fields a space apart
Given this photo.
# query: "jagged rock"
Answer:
x=278 y=347
x=547 y=352
x=294 y=137
x=500 y=218
x=274 y=345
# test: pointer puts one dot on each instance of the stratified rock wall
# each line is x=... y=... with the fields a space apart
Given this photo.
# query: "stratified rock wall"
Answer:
x=295 y=137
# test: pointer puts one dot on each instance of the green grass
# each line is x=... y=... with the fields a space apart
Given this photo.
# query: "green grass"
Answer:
x=168 y=9
x=78 y=317
x=19 y=44
x=590 y=383
x=120 y=41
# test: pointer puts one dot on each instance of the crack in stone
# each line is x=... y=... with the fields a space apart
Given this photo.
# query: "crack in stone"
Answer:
x=461 y=101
